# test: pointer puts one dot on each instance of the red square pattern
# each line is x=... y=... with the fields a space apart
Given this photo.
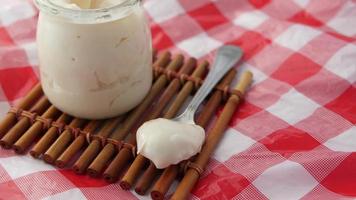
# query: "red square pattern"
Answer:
x=296 y=69
x=289 y=140
x=208 y=16
x=267 y=92
x=342 y=179
x=17 y=81
x=243 y=111
x=324 y=124
x=221 y=183
x=5 y=38
x=251 y=43
x=320 y=192
x=189 y=5
x=345 y=105
x=323 y=87
x=160 y=39
x=259 y=3
x=303 y=17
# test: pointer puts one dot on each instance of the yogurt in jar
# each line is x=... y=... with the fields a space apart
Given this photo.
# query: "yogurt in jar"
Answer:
x=94 y=63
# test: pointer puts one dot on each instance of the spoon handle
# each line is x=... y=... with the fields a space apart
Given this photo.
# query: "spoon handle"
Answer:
x=227 y=56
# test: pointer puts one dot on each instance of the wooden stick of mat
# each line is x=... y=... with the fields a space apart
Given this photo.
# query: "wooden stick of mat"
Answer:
x=23 y=124
x=77 y=144
x=209 y=109
x=136 y=167
x=92 y=150
x=192 y=176
x=55 y=150
x=101 y=160
x=112 y=172
x=36 y=129
x=10 y=118
x=49 y=137
x=164 y=182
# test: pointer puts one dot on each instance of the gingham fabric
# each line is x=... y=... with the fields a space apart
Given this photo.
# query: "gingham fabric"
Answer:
x=293 y=138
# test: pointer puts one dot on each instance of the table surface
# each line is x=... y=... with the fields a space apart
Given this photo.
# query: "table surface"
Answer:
x=294 y=137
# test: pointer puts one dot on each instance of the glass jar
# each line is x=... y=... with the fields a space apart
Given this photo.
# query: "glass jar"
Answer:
x=94 y=63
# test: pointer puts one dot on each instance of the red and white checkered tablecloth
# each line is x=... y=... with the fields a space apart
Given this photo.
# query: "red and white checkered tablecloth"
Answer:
x=293 y=138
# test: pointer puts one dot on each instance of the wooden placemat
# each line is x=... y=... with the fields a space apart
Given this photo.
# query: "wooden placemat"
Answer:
x=107 y=147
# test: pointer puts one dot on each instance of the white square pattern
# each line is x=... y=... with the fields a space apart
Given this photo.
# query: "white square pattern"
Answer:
x=231 y=144
x=293 y=107
x=343 y=63
x=345 y=142
x=199 y=45
x=251 y=20
x=297 y=36
x=302 y=3
x=284 y=181
x=18 y=166
x=12 y=11
x=344 y=22
x=163 y=10
x=69 y=194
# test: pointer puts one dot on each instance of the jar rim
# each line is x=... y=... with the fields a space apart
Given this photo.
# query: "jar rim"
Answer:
x=85 y=16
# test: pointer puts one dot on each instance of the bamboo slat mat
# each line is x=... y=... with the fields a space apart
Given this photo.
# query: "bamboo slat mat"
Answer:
x=107 y=148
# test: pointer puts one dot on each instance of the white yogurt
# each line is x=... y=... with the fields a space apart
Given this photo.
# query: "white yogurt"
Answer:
x=166 y=142
x=98 y=69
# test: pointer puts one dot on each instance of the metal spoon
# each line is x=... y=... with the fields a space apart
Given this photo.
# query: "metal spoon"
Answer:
x=227 y=56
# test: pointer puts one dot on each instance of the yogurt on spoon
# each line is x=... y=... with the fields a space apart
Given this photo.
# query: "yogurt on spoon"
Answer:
x=168 y=142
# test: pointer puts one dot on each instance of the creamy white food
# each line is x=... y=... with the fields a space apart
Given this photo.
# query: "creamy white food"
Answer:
x=166 y=142
x=95 y=70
